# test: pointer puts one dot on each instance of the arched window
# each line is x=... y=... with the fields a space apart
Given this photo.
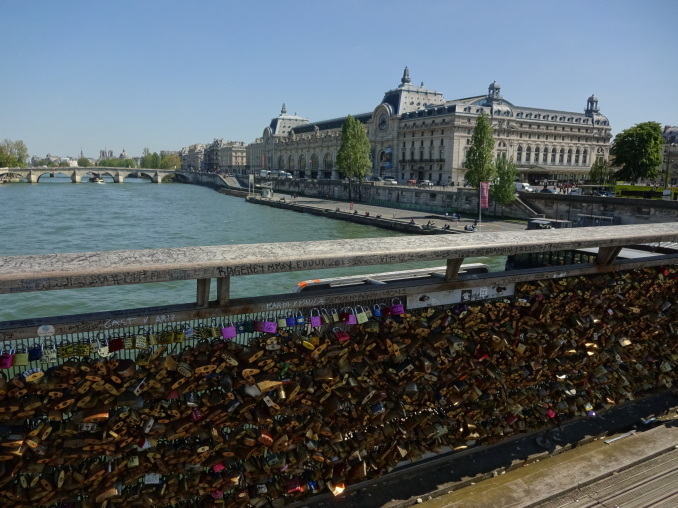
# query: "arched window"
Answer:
x=576 y=156
x=585 y=156
x=545 y=157
x=528 y=154
x=536 y=155
x=562 y=156
x=314 y=162
x=302 y=163
x=328 y=163
x=281 y=162
x=519 y=154
x=569 y=156
x=553 y=156
x=290 y=163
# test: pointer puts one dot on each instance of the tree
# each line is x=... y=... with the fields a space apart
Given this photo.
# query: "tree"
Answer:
x=83 y=162
x=504 y=187
x=480 y=158
x=637 y=152
x=13 y=153
x=601 y=172
x=170 y=161
x=353 y=157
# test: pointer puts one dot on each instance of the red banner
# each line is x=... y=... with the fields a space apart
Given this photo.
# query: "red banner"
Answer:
x=484 y=195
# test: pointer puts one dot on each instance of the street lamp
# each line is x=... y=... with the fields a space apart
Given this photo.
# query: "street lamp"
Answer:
x=668 y=165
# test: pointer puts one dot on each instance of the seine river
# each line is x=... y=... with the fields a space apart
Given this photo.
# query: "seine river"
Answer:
x=56 y=216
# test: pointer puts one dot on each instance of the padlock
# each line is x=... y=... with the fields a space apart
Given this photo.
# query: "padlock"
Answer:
x=376 y=309
x=360 y=315
x=115 y=344
x=49 y=353
x=397 y=308
x=228 y=332
x=327 y=317
x=20 y=356
x=282 y=322
x=316 y=319
x=340 y=335
x=34 y=353
x=299 y=319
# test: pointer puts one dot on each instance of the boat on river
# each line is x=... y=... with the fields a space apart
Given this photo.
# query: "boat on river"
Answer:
x=96 y=178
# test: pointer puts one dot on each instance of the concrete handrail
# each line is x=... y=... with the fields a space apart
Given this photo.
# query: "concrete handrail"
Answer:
x=19 y=274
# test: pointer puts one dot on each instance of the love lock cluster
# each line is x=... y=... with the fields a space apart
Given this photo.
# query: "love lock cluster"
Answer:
x=276 y=408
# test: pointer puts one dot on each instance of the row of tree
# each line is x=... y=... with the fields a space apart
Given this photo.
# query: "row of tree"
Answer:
x=155 y=161
x=13 y=154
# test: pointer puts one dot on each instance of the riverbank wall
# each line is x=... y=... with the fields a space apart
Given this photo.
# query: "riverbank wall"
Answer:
x=436 y=200
x=380 y=222
x=439 y=200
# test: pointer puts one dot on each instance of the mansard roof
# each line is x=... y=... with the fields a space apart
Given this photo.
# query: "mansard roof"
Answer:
x=335 y=123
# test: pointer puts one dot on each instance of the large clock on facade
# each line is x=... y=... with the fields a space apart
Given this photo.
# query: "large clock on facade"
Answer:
x=383 y=122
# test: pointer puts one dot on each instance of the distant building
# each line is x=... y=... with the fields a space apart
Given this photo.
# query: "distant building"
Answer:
x=225 y=157
x=192 y=157
x=416 y=134
x=669 y=168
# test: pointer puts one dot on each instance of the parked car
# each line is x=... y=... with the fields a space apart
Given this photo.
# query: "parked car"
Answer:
x=524 y=187
x=389 y=180
x=425 y=183
x=546 y=190
x=375 y=179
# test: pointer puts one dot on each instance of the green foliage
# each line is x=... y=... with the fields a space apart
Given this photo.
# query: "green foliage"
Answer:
x=13 y=154
x=64 y=165
x=171 y=162
x=601 y=172
x=480 y=159
x=353 y=158
x=115 y=163
x=150 y=160
x=503 y=187
x=45 y=162
x=84 y=162
x=637 y=152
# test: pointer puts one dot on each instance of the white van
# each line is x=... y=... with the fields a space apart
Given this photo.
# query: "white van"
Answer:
x=524 y=187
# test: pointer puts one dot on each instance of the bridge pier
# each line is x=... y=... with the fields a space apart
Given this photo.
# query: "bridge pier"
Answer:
x=156 y=178
x=32 y=177
x=76 y=177
x=118 y=178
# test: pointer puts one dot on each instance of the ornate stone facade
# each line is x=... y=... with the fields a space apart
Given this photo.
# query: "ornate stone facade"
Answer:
x=416 y=134
x=669 y=169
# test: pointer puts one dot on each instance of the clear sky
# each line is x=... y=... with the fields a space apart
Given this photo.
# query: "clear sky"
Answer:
x=167 y=74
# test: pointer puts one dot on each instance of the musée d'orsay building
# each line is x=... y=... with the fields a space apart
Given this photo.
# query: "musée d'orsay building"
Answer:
x=416 y=134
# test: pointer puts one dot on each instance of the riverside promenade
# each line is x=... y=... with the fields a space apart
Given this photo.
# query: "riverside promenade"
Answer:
x=406 y=221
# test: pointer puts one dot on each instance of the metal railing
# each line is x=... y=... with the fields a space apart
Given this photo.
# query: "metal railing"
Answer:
x=23 y=274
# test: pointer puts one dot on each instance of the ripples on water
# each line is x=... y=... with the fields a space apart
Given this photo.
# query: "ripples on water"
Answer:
x=45 y=218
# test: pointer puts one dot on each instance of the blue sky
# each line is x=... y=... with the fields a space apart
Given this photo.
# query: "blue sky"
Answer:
x=167 y=74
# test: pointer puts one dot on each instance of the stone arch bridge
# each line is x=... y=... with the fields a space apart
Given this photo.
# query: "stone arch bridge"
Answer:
x=32 y=175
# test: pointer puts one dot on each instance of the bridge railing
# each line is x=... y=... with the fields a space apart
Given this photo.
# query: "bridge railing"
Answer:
x=23 y=274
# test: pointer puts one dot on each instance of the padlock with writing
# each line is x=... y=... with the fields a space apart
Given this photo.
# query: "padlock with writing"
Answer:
x=397 y=307
x=49 y=353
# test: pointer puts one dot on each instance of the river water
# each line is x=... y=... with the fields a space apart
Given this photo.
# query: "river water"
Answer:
x=56 y=216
